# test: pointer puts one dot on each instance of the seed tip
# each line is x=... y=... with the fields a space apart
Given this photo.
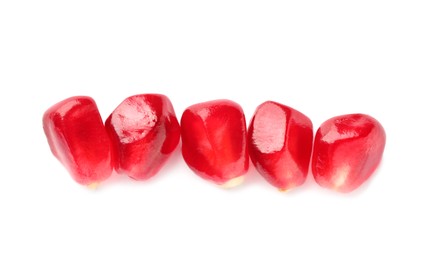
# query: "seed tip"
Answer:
x=233 y=182
x=93 y=185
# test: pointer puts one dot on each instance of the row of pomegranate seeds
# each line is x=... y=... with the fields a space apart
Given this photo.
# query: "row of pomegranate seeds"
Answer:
x=142 y=132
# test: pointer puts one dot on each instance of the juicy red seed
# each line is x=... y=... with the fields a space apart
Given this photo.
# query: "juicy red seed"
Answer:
x=144 y=131
x=347 y=150
x=214 y=140
x=77 y=138
x=280 y=140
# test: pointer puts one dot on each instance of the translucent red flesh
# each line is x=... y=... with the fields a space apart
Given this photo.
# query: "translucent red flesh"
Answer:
x=144 y=131
x=280 y=140
x=77 y=138
x=347 y=150
x=214 y=140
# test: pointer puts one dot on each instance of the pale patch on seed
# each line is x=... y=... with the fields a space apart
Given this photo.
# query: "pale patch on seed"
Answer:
x=340 y=176
x=233 y=182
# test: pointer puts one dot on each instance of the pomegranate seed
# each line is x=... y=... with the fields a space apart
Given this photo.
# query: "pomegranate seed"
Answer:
x=78 y=139
x=347 y=150
x=214 y=141
x=280 y=139
x=144 y=131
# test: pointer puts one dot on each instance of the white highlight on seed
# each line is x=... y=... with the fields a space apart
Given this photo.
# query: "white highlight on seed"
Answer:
x=333 y=135
x=66 y=108
x=269 y=129
x=133 y=120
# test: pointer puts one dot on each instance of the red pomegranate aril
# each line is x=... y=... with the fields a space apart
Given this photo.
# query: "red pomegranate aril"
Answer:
x=347 y=150
x=214 y=141
x=78 y=139
x=144 y=131
x=280 y=139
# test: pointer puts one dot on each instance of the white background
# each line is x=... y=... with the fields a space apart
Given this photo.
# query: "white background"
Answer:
x=324 y=58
